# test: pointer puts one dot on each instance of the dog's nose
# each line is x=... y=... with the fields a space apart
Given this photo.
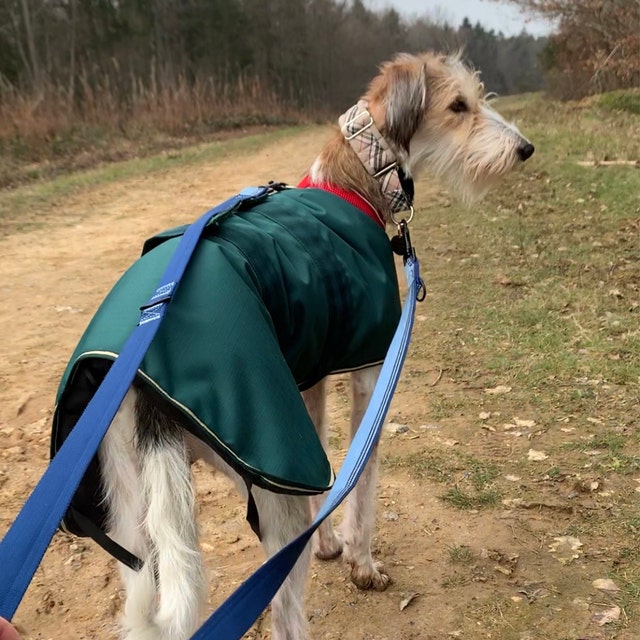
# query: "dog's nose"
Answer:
x=526 y=151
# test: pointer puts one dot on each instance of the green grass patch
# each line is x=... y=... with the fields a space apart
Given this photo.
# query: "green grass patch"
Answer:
x=610 y=452
x=472 y=479
x=460 y=554
x=24 y=206
x=622 y=100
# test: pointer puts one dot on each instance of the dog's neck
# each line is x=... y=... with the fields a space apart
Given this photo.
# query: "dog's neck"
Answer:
x=360 y=159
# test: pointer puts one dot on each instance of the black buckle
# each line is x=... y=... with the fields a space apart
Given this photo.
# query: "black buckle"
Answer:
x=401 y=243
x=278 y=186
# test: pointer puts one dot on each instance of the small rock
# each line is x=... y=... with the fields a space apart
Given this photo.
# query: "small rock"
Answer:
x=605 y=584
x=605 y=617
x=395 y=427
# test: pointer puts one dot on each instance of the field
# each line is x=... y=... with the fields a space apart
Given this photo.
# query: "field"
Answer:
x=509 y=493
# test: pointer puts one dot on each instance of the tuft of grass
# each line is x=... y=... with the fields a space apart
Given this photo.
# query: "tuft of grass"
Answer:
x=612 y=446
x=462 y=499
x=53 y=131
x=622 y=100
x=472 y=478
x=454 y=581
x=460 y=554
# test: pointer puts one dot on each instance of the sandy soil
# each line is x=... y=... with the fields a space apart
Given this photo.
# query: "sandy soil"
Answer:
x=54 y=276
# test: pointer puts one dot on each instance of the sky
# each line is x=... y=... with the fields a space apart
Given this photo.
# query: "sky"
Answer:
x=499 y=16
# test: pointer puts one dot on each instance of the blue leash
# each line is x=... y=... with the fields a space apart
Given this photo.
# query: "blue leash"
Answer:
x=236 y=615
x=26 y=541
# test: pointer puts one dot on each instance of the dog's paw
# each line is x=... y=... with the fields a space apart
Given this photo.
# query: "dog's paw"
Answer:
x=328 y=547
x=371 y=576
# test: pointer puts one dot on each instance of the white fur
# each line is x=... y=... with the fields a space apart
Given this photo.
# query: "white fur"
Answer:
x=148 y=489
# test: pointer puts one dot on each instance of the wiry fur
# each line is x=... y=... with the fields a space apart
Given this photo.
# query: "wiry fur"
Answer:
x=410 y=101
x=432 y=112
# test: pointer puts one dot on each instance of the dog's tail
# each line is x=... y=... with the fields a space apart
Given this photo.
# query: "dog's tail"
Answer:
x=151 y=502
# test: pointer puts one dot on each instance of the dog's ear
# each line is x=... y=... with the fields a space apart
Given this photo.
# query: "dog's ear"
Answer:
x=406 y=98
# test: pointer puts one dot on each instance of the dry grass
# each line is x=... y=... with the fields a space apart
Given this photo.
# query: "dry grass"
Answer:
x=55 y=130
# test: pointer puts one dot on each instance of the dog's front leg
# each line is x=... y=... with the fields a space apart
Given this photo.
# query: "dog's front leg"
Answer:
x=283 y=518
x=359 y=521
x=326 y=544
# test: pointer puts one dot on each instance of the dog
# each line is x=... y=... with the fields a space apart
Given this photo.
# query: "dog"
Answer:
x=421 y=113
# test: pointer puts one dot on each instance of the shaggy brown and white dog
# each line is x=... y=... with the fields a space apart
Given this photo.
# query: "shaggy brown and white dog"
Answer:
x=422 y=113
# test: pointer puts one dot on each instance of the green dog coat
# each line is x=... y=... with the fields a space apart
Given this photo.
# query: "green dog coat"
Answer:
x=276 y=296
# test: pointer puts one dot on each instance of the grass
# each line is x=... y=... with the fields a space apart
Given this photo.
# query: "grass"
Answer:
x=23 y=207
x=536 y=289
x=610 y=452
x=460 y=554
x=622 y=100
x=50 y=132
x=472 y=478
x=548 y=266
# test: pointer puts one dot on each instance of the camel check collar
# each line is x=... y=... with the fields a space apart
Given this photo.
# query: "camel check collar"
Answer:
x=376 y=155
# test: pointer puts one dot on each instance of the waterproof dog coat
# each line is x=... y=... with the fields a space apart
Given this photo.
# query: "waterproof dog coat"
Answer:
x=277 y=296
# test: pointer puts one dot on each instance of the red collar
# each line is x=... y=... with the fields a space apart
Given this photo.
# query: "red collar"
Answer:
x=351 y=197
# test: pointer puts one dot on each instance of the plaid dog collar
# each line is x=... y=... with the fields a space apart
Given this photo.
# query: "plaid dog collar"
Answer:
x=376 y=155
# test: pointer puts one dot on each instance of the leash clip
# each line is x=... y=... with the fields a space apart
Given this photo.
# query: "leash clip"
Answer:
x=278 y=186
x=401 y=243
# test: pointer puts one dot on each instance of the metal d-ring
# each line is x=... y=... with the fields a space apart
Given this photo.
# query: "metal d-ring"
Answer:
x=403 y=220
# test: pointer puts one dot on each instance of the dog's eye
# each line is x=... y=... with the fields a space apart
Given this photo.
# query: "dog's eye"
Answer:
x=459 y=106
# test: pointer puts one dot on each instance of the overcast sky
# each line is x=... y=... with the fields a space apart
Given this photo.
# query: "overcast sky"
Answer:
x=499 y=16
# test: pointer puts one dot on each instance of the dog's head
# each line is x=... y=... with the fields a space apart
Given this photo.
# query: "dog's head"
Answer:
x=434 y=110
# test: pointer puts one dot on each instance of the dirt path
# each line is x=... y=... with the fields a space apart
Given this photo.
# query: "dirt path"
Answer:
x=55 y=275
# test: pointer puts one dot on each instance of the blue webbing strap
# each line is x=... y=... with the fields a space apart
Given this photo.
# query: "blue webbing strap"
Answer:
x=26 y=541
x=236 y=615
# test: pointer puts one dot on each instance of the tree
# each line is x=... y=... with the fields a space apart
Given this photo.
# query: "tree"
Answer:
x=596 y=46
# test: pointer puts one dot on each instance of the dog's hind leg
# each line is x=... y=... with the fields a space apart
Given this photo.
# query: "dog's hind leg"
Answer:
x=123 y=496
x=283 y=518
x=326 y=544
x=359 y=521
x=169 y=522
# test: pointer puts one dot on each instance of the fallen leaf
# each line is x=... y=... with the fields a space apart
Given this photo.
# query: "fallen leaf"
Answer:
x=536 y=456
x=498 y=390
x=511 y=503
x=566 y=548
x=605 y=584
x=512 y=478
x=405 y=602
x=524 y=423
